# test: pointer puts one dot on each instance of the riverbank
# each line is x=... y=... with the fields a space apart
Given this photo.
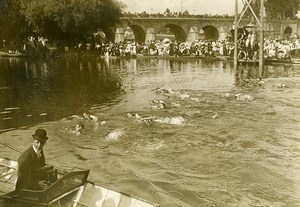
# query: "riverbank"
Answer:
x=268 y=61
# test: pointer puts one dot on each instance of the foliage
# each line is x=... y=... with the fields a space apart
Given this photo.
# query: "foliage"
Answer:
x=282 y=9
x=70 y=18
x=57 y=19
x=167 y=12
x=12 y=23
x=275 y=9
x=186 y=13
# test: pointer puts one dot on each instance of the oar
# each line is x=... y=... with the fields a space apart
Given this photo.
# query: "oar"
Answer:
x=11 y=147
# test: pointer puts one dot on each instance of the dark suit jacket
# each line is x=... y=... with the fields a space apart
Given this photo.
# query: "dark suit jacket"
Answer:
x=29 y=163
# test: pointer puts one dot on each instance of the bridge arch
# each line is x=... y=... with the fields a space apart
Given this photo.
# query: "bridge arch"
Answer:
x=210 y=32
x=139 y=33
x=288 y=31
x=180 y=34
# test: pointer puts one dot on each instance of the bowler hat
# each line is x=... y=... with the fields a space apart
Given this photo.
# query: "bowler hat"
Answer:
x=40 y=135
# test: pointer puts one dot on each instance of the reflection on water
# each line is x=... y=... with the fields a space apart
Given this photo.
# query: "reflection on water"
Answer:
x=51 y=89
x=228 y=150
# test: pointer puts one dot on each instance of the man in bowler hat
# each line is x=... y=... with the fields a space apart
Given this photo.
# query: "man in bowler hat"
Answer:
x=30 y=161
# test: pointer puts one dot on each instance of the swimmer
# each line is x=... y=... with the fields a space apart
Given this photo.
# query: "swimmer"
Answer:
x=177 y=120
x=243 y=97
x=183 y=95
x=282 y=85
x=140 y=119
x=115 y=134
x=176 y=105
x=157 y=101
x=78 y=128
x=166 y=92
x=90 y=117
x=130 y=115
x=159 y=106
x=261 y=82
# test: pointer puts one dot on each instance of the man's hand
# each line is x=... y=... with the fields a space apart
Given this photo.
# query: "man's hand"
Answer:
x=43 y=184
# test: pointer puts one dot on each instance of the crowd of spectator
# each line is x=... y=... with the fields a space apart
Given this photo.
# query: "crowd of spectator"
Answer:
x=169 y=14
x=31 y=46
x=166 y=47
x=248 y=47
x=280 y=47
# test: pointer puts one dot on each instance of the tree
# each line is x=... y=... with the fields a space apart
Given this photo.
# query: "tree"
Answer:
x=278 y=9
x=13 y=24
x=70 y=19
x=167 y=12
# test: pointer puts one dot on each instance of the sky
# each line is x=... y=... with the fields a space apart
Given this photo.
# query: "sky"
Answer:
x=193 y=6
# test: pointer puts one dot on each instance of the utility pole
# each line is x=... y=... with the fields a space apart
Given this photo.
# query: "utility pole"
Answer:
x=259 y=22
x=235 y=35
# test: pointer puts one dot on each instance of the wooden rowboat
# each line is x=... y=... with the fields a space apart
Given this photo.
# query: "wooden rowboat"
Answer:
x=69 y=189
x=295 y=60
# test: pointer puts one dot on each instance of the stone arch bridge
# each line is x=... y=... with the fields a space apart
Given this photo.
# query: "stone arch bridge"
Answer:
x=190 y=28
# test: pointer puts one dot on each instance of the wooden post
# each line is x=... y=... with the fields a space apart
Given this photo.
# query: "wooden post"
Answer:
x=235 y=58
x=260 y=22
x=261 y=47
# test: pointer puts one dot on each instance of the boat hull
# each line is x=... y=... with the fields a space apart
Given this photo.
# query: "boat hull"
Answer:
x=295 y=60
x=78 y=193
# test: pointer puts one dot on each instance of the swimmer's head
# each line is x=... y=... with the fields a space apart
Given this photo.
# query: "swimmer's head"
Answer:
x=129 y=115
x=164 y=106
x=85 y=116
x=79 y=125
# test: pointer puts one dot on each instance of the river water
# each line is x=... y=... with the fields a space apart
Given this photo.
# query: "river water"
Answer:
x=224 y=138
